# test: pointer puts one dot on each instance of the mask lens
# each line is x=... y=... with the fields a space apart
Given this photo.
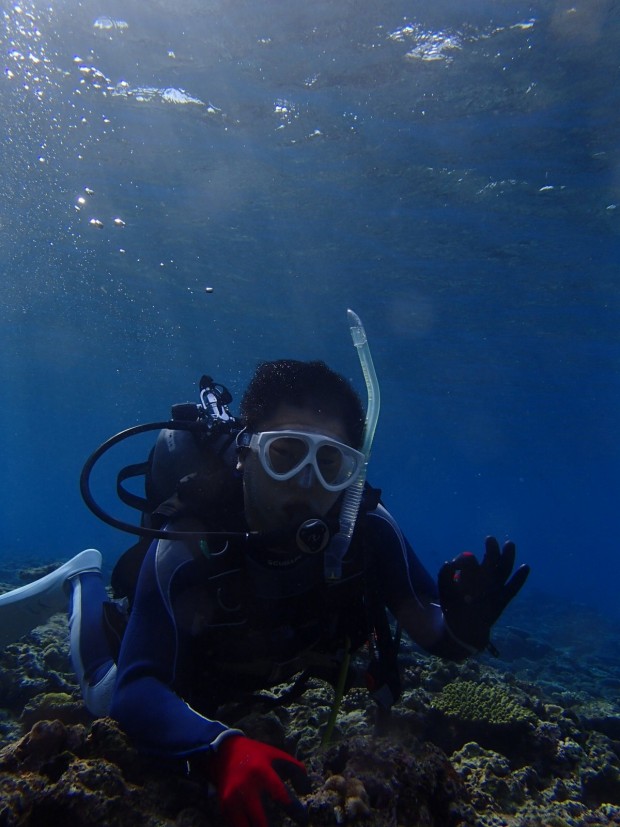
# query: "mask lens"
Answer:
x=285 y=453
x=331 y=461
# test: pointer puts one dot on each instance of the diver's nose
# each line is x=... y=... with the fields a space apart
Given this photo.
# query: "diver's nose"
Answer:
x=306 y=477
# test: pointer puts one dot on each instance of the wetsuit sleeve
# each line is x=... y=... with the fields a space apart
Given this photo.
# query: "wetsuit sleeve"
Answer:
x=146 y=701
x=406 y=587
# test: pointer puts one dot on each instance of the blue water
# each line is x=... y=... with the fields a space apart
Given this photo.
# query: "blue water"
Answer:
x=451 y=171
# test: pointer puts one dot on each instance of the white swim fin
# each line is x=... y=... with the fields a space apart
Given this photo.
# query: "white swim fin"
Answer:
x=28 y=606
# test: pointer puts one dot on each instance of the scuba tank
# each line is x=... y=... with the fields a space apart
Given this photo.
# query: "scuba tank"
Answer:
x=192 y=462
x=196 y=446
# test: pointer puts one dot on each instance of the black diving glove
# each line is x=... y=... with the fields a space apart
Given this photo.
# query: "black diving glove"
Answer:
x=473 y=595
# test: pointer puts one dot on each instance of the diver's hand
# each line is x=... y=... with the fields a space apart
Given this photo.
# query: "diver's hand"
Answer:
x=473 y=595
x=248 y=773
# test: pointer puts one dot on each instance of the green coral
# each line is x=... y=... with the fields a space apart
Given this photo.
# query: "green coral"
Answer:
x=480 y=702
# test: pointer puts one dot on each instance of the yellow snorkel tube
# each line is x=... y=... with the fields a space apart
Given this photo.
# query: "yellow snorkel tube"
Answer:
x=337 y=548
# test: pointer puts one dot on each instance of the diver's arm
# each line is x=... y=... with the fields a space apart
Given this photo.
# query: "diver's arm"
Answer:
x=452 y=619
x=247 y=773
x=145 y=702
x=409 y=591
x=425 y=625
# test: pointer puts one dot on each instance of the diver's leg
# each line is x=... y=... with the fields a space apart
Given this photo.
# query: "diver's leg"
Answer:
x=90 y=650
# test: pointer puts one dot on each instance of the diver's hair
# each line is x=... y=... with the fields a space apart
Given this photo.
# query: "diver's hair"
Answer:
x=310 y=385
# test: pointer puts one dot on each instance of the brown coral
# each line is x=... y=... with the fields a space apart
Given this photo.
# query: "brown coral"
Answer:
x=349 y=800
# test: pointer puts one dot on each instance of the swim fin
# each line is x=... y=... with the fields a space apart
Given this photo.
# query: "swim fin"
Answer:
x=28 y=606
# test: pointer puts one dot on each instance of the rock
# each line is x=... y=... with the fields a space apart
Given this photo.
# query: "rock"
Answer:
x=602 y=716
x=55 y=706
x=388 y=783
x=59 y=774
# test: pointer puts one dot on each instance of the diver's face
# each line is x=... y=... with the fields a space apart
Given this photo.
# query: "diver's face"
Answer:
x=272 y=505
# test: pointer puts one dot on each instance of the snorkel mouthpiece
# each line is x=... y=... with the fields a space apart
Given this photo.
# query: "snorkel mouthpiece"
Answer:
x=337 y=549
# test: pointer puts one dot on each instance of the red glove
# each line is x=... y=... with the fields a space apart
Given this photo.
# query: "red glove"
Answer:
x=247 y=772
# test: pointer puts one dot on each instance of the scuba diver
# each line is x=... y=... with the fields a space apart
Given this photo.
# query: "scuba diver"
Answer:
x=265 y=556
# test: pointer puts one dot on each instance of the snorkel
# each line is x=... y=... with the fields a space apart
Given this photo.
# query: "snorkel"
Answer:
x=337 y=548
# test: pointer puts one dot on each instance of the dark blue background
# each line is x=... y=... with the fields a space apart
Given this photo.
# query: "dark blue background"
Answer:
x=466 y=207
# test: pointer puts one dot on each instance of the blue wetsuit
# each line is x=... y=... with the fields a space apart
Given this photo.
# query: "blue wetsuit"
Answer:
x=195 y=636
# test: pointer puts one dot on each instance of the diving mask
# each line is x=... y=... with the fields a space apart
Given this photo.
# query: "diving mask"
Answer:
x=283 y=454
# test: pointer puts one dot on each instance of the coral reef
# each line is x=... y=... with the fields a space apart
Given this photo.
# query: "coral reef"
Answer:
x=530 y=740
x=32 y=673
x=480 y=702
x=59 y=774
x=389 y=783
x=74 y=775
